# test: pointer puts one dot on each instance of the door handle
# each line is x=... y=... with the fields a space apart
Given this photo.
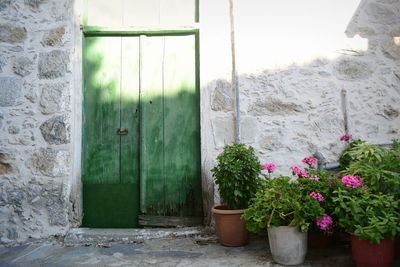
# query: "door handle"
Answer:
x=122 y=131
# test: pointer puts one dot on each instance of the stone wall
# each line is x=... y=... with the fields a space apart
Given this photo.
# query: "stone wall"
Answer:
x=36 y=47
x=291 y=106
x=294 y=62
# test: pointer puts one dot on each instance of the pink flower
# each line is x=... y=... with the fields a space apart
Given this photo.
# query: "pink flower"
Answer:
x=310 y=161
x=314 y=178
x=299 y=172
x=325 y=223
x=317 y=196
x=352 y=181
x=270 y=167
x=346 y=137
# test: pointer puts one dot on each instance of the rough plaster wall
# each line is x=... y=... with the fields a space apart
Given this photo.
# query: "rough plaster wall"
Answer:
x=36 y=81
x=292 y=111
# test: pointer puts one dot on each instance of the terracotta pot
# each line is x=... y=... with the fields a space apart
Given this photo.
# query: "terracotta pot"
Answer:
x=319 y=240
x=397 y=248
x=231 y=229
x=367 y=254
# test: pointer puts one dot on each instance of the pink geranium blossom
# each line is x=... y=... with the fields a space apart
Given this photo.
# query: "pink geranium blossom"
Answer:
x=325 y=223
x=299 y=172
x=352 y=181
x=310 y=161
x=270 y=167
x=317 y=196
x=346 y=137
x=314 y=178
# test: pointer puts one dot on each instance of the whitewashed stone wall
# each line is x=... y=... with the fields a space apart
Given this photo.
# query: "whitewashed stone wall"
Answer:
x=36 y=80
x=293 y=110
x=288 y=111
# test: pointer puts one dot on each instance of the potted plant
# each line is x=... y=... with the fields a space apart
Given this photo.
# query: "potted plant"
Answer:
x=379 y=167
x=282 y=208
x=317 y=183
x=320 y=183
x=371 y=219
x=237 y=175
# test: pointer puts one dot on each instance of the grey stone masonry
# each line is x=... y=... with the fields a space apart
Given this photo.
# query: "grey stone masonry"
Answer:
x=53 y=64
x=10 y=91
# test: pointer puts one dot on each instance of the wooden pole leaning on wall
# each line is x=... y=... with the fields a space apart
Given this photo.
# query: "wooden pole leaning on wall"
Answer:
x=234 y=82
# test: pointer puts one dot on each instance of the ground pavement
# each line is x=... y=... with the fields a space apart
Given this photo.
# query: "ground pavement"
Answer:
x=170 y=251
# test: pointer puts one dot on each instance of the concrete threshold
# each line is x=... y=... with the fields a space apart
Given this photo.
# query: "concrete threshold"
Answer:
x=77 y=236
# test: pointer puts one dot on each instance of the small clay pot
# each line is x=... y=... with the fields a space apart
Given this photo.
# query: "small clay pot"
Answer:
x=367 y=254
x=231 y=228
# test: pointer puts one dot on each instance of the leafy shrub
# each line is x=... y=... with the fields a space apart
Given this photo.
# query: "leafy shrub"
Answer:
x=280 y=202
x=378 y=166
x=372 y=216
x=237 y=175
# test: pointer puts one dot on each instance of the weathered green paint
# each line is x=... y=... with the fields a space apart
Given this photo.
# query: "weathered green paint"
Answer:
x=170 y=144
x=101 y=110
x=137 y=31
x=152 y=126
x=110 y=162
x=148 y=84
x=109 y=206
x=181 y=128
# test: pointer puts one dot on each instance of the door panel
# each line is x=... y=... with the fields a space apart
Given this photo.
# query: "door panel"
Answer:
x=152 y=126
x=130 y=111
x=170 y=162
x=181 y=131
x=101 y=151
x=110 y=189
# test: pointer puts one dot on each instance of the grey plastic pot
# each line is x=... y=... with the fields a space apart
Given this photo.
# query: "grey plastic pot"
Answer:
x=287 y=244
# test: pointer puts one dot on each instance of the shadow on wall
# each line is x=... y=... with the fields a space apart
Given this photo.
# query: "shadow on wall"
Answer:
x=291 y=111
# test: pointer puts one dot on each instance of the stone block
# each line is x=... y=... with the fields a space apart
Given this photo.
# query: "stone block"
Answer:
x=270 y=142
x=52 y=98
x=223 y=131
x=389 y=112
x=5 y=163
x=12 y=233
x=351 y=69
x=53 y=64
x=12 y=129
x=50 y=162
x=12 y=34
x=23 y=66
x=273 y=106
x=53 y=37
x=4 y=4
x=57 y=215
x=248 y=129
x=10 y=91
x=35 y=4
x=223 y=99
x=3 y=62
x=56 y=130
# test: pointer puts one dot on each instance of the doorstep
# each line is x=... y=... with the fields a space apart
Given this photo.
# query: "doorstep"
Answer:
x=76 y=236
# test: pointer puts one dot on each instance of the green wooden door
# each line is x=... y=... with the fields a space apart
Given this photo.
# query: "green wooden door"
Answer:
x=148 y=85
x=111 y=161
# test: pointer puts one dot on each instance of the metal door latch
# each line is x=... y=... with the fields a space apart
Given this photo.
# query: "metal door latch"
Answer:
x=122 y=131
